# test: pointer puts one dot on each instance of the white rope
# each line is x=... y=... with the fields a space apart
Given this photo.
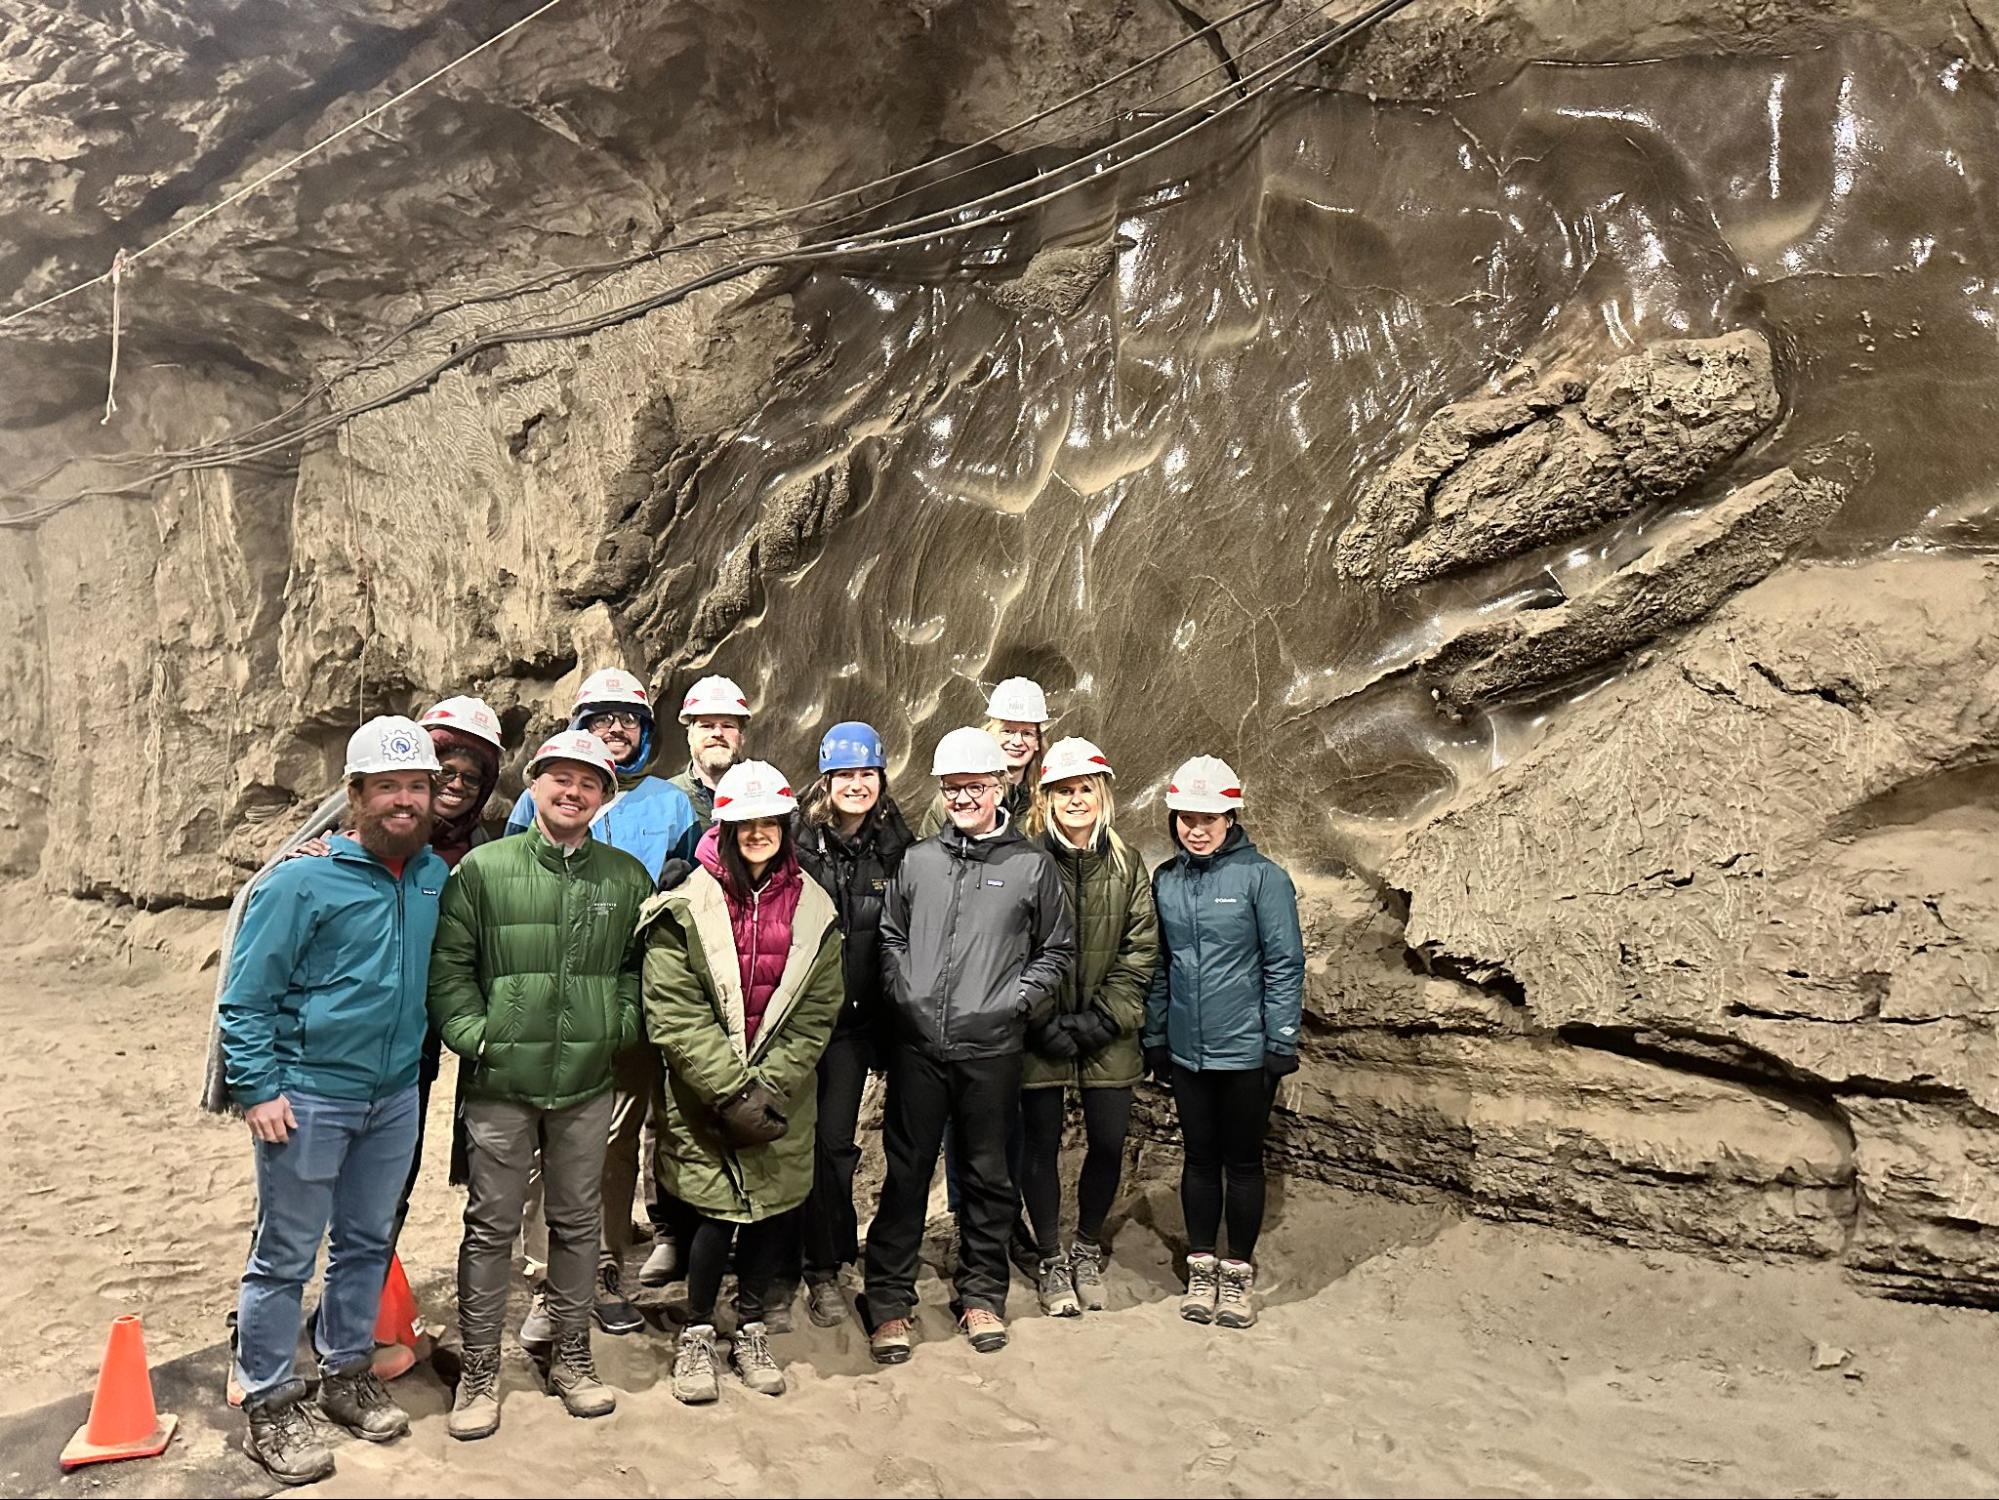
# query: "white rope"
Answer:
x=111 y=381
x=278 y=171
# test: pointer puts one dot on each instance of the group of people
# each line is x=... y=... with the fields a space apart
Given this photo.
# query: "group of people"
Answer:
x=720 y=961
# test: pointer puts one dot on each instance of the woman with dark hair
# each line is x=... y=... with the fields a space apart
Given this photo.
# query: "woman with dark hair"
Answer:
x=1221 y=1025
x=742 y=987
x=851 y=839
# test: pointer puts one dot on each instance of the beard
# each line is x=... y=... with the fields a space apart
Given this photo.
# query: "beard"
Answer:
x=370 y=833
x=715 y=759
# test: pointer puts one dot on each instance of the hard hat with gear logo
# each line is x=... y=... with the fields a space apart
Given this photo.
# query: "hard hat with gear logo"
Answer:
x=1074 y=757
x=852 y=746
x=1205 y=784
x=579 y=746
x=714 y=697
x=467 y=716
x=390 y=743
x=1018 y=700
x=753 y=789
x=968 y=752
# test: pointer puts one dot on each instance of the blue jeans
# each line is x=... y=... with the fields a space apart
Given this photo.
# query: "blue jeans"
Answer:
x=344 y=1167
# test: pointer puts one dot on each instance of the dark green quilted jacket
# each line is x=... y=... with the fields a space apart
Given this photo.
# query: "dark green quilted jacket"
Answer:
x=534 y=977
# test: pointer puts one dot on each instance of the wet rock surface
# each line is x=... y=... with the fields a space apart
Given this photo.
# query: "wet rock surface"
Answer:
x=1564 y=493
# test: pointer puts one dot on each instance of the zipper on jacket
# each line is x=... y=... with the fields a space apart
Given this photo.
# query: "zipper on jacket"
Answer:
x=950 y=951
x=1200 y=1048
x=756 y=932
x=402 y=977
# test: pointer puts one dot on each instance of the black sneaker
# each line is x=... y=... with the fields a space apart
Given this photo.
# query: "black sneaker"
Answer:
x=613 y=1313
x=355 y=1399
x=283 y=1439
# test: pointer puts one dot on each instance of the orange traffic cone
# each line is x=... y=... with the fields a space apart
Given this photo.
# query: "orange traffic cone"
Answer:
x=398 y=1325
x=123 y=1420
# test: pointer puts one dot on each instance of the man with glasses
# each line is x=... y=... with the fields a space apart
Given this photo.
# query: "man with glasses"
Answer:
x=976 y=940
x=653 y=820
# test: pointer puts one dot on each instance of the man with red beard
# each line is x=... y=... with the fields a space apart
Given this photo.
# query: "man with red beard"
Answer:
x=322 y=1027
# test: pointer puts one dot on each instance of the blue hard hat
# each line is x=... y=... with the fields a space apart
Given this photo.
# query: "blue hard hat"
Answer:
x=851 y=747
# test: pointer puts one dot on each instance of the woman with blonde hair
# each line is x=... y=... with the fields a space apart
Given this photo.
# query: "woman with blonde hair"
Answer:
x=1092 y=1039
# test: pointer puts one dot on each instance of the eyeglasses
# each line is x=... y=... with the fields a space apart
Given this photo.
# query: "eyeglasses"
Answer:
x=605 y=721
x=960 y=796
x=458 y=778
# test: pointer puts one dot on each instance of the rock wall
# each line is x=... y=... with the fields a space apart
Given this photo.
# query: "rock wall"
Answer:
x=1564 y=493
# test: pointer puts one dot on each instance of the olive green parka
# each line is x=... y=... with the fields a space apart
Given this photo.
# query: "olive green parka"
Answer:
x=1117 y=938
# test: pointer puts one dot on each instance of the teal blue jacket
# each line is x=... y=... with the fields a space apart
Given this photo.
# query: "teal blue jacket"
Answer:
x=328 y=977
x=1231 y=978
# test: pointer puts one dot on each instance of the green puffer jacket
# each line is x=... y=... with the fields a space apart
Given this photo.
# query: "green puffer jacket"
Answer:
x=1117 y=934
x=534 y=975
x=694 y=1015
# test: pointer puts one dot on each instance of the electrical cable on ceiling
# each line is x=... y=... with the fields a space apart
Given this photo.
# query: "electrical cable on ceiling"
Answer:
x=951 y=222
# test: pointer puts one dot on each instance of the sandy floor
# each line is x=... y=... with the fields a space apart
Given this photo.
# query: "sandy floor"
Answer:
x=1402 y=1350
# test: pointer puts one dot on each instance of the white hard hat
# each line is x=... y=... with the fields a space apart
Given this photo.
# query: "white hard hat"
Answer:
x=612 y=685
x=753 y=789
x=1204 y=784
x=968 y=752
x=577 y=745
x=1019 y=699
x=467 y=716
x=390 y=743
x=713 y=696
x=1074 y=756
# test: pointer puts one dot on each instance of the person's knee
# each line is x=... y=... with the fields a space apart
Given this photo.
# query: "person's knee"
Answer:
x=276 y=1262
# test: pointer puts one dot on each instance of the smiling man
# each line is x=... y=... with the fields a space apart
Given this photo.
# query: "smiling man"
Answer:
x=535 y=984
x=716 y=713
x=322 y=1025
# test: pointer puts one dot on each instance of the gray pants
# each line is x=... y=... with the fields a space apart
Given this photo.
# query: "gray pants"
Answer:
x=503 y=1137
x=635 y=1076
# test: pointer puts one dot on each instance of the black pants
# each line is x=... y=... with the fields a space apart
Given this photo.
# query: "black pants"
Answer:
x=832 y=1228
x=980 y=1101
x=761 y=1251
x=1106 y=1119
x=1223 y=1119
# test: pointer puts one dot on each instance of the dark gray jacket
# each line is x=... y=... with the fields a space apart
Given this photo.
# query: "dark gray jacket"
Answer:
x=976 y=940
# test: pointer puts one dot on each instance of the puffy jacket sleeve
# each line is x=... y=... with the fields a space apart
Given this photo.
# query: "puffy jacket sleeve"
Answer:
x=793 y=1057
x=1283 y=959
x=1125 y=989
x=895 y=937
x=1052 y=942
x=680 y=1018
x=1156 y=991
x=631 y=1012
x=523 y=813
x=457 y=1003
x=278 y=922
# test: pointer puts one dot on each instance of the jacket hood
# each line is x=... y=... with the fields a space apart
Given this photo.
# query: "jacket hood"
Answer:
x=973 y=846
x=635 y=770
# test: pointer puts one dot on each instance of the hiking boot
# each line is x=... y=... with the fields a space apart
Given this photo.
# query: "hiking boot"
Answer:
x=1057 y=1291
x=538 y=1328
x=890 y=1342
x=826 y=1304
x=694 y=1365
x=775 y=1310
x=986 y=1330
x=750 y=1357
x=1233 y=1308
x=1022 y=1252
x=662 y=1267
x=476 y=1411
x=354 y=1398
x=1203 y=1278
x=282 y=1438
x=614 y=1314
x=572 y=1375
x=1086 y=1274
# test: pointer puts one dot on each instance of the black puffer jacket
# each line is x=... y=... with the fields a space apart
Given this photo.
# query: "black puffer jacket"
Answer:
x=856 y=873
x=976 y=940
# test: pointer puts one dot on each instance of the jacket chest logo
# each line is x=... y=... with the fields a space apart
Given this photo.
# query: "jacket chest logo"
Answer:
x=998 y=885
x=1227 y=900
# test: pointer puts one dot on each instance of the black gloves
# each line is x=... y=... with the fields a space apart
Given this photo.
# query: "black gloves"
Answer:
x=1280 y=1064
x=1052 y=1040
x=1159 y=1062
x=752 y=1117
x=672 y=873
x=1092 y=1029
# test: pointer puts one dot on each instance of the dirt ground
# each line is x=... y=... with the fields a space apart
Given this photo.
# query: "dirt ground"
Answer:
x=1403 y=1349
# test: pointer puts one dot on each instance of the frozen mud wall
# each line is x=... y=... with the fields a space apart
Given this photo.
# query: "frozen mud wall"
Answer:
x=1564 y=491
